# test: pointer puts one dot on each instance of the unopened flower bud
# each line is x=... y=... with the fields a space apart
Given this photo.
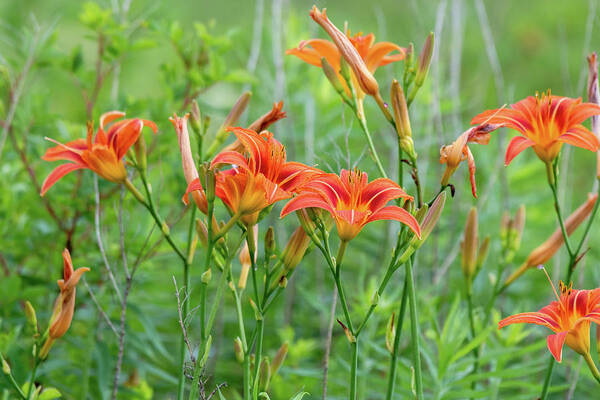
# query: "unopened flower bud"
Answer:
x=375 y=298
x=482 y=253
x=210 y=185
x=295 y=249
x=265 y=373
x=206 y=276
x=257 y=315
x=505 y=224
x=232 y=118
x=5 y=367
x=469 y=245
x=545 y=251
x=165 y=229
x=390 y=334
x=424 y=60
x=196 y=120
x=409 y=59
x=279 y=358
x=238 y=349
x=140 y=153
x=332 y=76
x=432 y=217
x=400 y=108
x=270 y=242
x=202 y=231
x=517 y=228
x=31 y=317
x=365 y=78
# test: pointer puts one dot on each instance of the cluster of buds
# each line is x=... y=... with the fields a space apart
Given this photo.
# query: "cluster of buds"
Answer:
x=415 y=71
x=511 y=231
x=473 y=253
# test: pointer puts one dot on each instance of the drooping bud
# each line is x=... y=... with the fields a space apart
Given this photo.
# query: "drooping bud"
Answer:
x=469 y=245
x=279 y=358
x=424 y=60
x=545 y=251
x=64 y=307
x=364 y=77
x=31 y=317
x=238 y=350
x=390 y=334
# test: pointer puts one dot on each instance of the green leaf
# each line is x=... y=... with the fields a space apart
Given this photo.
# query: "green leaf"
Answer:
x=299 y=395
x=49 y=394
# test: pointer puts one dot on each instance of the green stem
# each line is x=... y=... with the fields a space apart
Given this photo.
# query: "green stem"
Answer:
x=469 y=296
x=258 y=355
x=36 y=362
x=593 y=369
x=586 y=232
x=363 y=124
x=354 y=369
x=12 y=381
x=394 y=358
x=247 y=373
x=547 y=379
x=414 y=327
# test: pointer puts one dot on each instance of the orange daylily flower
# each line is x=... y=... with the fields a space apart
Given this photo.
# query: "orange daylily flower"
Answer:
x=103 y=155
x=452 y=155
x=258 y=179
x=353 y=202
x=569 y=318
x=361 y=52
x=64 y=307
x=545 y=123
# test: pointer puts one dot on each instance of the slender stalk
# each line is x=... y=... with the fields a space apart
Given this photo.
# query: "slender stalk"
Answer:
x=30 y=391
x=394 y=358
x=12 y=381
x=414 y=327
x=354 y=369
x=469 y=296
x=593 y=369
x=258 y=356
x=363 y=124
x=547 y=379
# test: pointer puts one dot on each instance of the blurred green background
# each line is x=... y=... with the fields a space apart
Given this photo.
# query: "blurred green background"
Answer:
x=487 y=53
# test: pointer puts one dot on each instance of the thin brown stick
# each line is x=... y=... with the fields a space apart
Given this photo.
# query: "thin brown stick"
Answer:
x=181 y=318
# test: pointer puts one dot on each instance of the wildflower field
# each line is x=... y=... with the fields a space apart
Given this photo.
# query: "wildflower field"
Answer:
x=275 y=199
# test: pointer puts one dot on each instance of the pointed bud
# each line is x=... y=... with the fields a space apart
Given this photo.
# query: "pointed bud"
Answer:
x=375 y=298
x=210 y=185
x=545 y=251
x=469 y=245
x=365 y=79
x=332 y=76
x=424 y=60
x=517 y=228
x=482 y=253
x=433 y=215
x=400 y=108
x=206 y=276
x=207 y=346
x=140 y=153
x=238 y=350
x=269 y=242
x=257 y=315
x=505 y=224
x=165 y=229
x=5 y=367
x=231 y=119
x=279 y=358
x=409 y=59
x=390 y=334
x=202 y=231
x=295 y=249
x=265 y=374
x=347 y=332
x=31 y=317
x=196 y=120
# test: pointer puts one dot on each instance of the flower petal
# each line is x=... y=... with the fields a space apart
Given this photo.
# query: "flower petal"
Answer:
x=579 y=136
x=536 y=318
x=378 y=55
x=516 y=145
x=58 y=173
x=555 y=344
x=231 y=158
x=311 y=51
x=398 y=214
x=306 y=200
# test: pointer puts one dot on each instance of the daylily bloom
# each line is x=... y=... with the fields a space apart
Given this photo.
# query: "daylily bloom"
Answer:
x=569 y=318
x=64 y=307
x=545 y=123
x=189 y=166
x=103 y=155
x=258 y=179
x=452 y=155
x=360 y=51
x=353 y=202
